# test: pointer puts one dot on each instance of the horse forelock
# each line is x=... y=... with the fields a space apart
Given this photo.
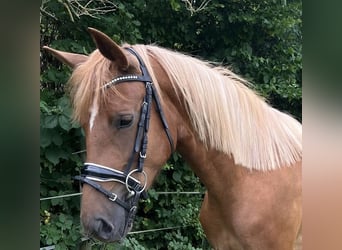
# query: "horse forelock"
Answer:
x=85 y=87
x=227 y=115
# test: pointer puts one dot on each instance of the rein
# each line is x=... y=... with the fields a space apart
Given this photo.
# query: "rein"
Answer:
x=93 y=173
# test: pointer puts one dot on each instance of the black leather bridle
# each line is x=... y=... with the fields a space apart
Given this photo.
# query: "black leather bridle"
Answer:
x=92 y=173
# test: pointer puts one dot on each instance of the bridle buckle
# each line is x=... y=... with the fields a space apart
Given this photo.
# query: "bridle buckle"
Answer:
x=144 y=181
x=142 y=155
x=115 y=196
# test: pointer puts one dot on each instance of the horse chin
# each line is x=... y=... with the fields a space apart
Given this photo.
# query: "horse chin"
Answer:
x=113 y=239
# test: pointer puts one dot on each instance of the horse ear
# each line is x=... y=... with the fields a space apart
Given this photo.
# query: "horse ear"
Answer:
x=70 y=59
x=109 y=48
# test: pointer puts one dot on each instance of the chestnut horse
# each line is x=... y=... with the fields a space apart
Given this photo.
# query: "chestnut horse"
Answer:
x=139 y=103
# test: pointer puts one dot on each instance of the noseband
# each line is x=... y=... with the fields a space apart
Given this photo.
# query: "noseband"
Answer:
x=93 y=173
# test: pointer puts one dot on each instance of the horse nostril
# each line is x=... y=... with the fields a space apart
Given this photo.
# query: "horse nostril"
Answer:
x=104 y=228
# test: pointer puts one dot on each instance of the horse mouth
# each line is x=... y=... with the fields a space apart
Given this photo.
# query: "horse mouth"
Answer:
x=118 y=238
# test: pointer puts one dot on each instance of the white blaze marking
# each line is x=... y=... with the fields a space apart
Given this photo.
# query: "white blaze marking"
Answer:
x=93 y=112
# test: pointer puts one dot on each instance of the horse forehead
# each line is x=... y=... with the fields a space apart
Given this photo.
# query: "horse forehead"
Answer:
x=127 y=95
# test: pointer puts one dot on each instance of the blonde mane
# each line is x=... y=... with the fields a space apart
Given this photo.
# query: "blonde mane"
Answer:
x=85 y=85
x=225 y=113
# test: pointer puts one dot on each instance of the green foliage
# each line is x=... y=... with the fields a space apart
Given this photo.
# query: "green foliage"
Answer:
x=260 y=40
x=57 y=231
x=58 y=140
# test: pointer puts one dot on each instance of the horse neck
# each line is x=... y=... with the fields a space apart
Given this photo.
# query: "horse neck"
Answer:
x=207 y=164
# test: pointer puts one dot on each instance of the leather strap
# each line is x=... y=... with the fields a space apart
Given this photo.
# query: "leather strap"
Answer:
x=111 y=196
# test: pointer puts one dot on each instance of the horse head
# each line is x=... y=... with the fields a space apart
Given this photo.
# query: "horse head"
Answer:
x=128 y=137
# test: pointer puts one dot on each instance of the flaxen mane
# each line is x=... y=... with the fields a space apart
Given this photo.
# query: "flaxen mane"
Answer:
x=225 y=113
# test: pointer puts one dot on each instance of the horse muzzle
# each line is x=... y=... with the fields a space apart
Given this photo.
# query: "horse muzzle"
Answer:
x=111 y=227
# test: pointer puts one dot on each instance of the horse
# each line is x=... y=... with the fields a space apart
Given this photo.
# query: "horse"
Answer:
x=140 y=103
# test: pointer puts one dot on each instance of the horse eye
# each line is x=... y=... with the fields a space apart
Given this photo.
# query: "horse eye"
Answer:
x=125 y=121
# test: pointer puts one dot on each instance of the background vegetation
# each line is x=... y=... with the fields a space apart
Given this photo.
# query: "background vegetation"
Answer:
x=260 y=40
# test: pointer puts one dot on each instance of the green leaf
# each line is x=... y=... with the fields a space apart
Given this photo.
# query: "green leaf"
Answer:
x=45 y=138
x=177 y=176
x=57 y=139
x=175 y=5
x=51 y=76
x=52 y=156
x=64 y=104
x=44 y=107
x=50 y=121
x=55 y=202
x=49 y=241
x=175 y=156
x=61 y=218
x=249 y=49
x=64 y=122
